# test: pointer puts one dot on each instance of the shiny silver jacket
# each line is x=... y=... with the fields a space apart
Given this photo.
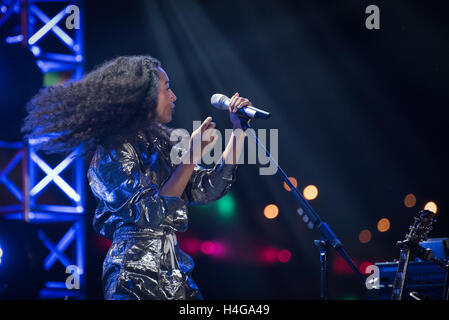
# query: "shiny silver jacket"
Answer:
x=144 y=260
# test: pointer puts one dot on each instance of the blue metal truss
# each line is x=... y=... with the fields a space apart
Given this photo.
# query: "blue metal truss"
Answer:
x=35 y=26
x=32 y=34
x=29 y=210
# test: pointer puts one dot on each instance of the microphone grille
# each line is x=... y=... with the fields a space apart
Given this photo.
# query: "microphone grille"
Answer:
x=217 y=100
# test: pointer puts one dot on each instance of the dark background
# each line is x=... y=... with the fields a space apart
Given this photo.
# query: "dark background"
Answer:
x=361 y=114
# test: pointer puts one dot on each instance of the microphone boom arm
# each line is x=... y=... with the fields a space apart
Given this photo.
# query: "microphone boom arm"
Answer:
x=328 y=238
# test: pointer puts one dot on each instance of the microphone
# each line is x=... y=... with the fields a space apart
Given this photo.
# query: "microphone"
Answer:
x=221 y=102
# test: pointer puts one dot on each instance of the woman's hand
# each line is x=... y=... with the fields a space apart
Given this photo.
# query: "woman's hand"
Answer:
x=177 y=183
x=236 y=103
x=198 y=147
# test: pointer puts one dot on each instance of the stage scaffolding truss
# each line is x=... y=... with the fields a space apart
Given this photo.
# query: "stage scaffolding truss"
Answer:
x=52 y=31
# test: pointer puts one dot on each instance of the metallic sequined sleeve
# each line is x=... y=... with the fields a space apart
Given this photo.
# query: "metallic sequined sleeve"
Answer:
x=126 y=196
x=208 y=185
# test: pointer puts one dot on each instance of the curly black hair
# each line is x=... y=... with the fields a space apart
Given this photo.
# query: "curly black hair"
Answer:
x=108 y=106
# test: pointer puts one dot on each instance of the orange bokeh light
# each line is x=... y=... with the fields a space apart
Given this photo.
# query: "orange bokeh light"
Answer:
x=310 y=192
x=271 y=211
x=410 y=200
x=365 y=236
x=431 y=206
x=383 y=225
x=293 y=181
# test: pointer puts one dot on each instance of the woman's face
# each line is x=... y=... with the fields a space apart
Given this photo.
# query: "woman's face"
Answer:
x=165 y=100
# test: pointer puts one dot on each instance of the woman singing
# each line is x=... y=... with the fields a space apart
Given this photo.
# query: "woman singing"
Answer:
x=119 y=112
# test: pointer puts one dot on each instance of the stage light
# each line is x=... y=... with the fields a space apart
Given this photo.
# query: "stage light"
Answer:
x=284 y=255
x=340 y=266
x=363 y=267
x=215 y=249
x=220 y=250
x=431 y=206
x=52 y=78
x=383 y=225
x=310 y=192
x=1 y=253
x=226 y=207
x=99 y=243
x=268 y=255
x=271 y=211
x=293 y=181
x=410 y=200
x=207 y=247
x=191 y=245
x=365 y=236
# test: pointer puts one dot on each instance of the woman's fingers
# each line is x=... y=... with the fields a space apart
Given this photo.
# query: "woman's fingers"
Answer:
x=209 y=139
x=207 y=121
x=237 y=102
x=232 y=101
x=207 y=124
x=243 y=102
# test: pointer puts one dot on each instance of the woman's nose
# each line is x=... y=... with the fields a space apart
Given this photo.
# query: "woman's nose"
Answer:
x=173 y=96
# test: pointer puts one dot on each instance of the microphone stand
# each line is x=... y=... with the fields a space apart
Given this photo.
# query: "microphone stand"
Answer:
x=327 y=239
